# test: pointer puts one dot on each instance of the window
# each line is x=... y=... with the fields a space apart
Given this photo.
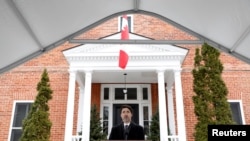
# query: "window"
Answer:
x=106 y=94
x=130 y=23
x=105 y=119
x=145 y=93
x=146 y=119
x=237 y=112
x=119 y=95
x=131 y=94
x=138 y=95
x=21 y=110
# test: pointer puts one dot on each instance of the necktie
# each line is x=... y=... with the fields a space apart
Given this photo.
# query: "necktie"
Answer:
x=126 y=132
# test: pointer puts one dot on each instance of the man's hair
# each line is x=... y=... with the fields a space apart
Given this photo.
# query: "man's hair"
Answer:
x=126 y=106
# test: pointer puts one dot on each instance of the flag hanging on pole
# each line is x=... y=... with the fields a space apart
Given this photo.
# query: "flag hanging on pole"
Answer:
x=123 y=59
x=123 y=56
x=124 y=28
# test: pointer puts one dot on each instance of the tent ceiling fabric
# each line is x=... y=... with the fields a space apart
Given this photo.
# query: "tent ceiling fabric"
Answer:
x=29 y=28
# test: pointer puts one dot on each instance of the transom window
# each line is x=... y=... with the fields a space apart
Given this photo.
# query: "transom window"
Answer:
x=130 y=95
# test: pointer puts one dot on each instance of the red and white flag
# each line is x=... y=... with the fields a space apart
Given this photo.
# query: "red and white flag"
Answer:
x=124 y=28
x=123 y=59
x=123 y=56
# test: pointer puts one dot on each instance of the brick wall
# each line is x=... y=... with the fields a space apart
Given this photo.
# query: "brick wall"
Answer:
x=154 y=98
x=96 y=95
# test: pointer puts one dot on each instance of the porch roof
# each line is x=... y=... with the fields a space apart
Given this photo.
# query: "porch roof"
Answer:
x=144 y=60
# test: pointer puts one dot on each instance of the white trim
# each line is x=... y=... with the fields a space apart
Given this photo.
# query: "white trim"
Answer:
x=149 y=113
x=241 y=108
x=141 y=57
x=70 y=106
x=109 y=103
x=181 y=124
x=162 y=105
x=86 y=106
x=13 y=113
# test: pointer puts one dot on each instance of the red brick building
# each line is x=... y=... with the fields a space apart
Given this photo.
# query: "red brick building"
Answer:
x=76 y=70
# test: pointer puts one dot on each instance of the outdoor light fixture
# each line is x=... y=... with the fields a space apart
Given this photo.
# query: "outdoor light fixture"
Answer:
x=125 y=90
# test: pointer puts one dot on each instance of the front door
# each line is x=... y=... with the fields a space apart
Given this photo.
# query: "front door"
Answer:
x=117 y=114
x=138 y=97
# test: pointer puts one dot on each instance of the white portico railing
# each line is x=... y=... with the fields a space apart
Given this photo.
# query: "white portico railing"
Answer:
x=169 y=138
x=76 y=138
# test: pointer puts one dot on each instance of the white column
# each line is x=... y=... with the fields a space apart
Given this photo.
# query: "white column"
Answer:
x=179 y=106
x=86 y=106
x=70 y=107
x=171 y=110
x=162 y=106
x=80 y=109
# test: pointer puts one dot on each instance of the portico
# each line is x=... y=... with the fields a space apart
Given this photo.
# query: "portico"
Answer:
x=92 y=63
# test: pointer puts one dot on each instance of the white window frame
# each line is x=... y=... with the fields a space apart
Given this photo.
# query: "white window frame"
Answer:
x=241 y=109
x=13 y=114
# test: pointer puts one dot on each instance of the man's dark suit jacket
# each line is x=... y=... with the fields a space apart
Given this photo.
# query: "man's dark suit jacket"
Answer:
x=136 y=132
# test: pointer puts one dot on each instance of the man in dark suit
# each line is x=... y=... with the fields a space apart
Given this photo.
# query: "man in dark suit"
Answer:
x=127 y=130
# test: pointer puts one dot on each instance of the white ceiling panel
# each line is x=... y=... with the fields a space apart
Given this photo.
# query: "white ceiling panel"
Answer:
x=15 y=40
x=61 y=18
x=29 y=28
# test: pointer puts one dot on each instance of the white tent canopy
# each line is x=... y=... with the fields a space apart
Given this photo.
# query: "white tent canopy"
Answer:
x=29 y=28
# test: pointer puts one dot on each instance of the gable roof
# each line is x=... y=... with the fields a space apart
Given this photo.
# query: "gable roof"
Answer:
x=86 y=51
x=144 y=60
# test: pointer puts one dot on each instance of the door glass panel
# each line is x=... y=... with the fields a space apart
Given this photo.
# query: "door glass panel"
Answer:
x=145 y=113
x=105 y=119
x=146 y=119
x=146 y=127
x=105 y=113
x=105 y=127
x=132 y=94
